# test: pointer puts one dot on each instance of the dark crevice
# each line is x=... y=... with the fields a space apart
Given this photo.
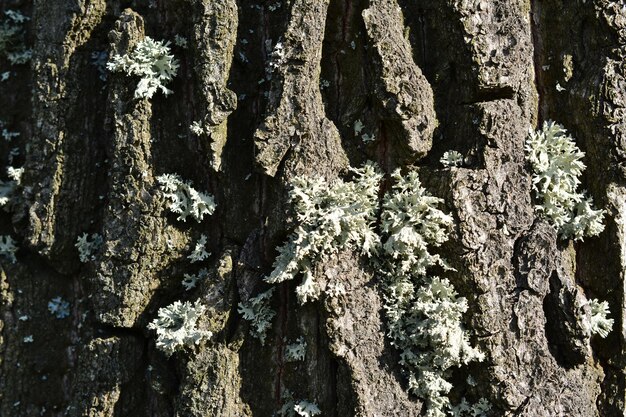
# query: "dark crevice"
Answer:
x=343 y=75
x=561 y=324
x=282 y=322
x=483 y=96
x=106 y=331
x=538 y=59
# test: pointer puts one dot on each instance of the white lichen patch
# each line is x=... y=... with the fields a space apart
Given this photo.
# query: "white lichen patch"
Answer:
x=199 y=252
x=8 y=248
x=424 y=313
x=176 y=326
x=557 y=165
x=12 y=38
x=59 y=308
x=88 y=246
x=295 y=352
x=331 y=216
x=184 y=200
x=196 y=128
x=306 y=408
x=180 y=41
x=152 y=62
x=410 y=223
x=258 y=312
x=15 y=174
x=481 y=409
x=452 y=159
x=597 y=320
x=190 y=281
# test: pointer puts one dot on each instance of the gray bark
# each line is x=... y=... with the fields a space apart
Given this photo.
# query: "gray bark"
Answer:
x=423 y=77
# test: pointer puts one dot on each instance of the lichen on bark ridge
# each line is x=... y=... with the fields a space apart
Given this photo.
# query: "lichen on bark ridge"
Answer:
x=423 y=77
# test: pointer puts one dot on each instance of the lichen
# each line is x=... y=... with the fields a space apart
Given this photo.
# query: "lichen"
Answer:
x=330 y=216
x=7 y=188
x=295 y=352
x=88 y=246
x=12 y=38
x=293 y=408
x=59 y=308
x=258 y=312
x=451 y=159
x=557 y=165
x=184 y=200
x=176 y=326
x=8 y=248
x=152 y=62
x=423 y=312
x=199 y=252
x=597 y=320
x=190 y=281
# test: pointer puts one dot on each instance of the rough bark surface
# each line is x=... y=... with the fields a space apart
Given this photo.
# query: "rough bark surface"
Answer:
x=285 y=88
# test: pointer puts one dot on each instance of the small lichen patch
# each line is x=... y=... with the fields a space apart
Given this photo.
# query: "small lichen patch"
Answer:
x=295 y=352
x=59 y=308
x=305 y=408
x=184 y=200
x=88 y=246
x=597 y=319
x=451 y=159
x=190 y=281
x=176 y=326
x=151 y=61
x=8 y=248
x=258 y=312
x=557 y=165
x=199 y=252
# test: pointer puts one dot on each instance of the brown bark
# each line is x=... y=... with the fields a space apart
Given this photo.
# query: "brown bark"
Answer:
x=423 y=77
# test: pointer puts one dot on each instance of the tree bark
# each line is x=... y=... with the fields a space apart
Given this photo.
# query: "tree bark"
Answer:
x=422 y=77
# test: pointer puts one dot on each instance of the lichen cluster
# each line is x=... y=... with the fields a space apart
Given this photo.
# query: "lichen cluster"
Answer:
x=424 y=313
x=184 y=200
x=557 y=165
x=176 y=326
x=152 y=62
x=330 y=216
x=12 y=38
x=258 y=312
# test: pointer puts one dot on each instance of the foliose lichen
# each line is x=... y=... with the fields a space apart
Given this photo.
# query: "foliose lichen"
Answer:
x=258 y=312
x=597 y=319
x=88 y=246
x=557 y=164
x=424 y=313
x=330 y=216
x=8 y=248
x=151 y=61
x=59 y=308
x=184 y=200
x=176 y=326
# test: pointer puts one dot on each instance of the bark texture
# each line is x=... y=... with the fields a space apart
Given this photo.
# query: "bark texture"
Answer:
x=286 y=88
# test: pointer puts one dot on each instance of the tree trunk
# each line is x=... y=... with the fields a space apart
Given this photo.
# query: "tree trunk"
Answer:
x=282 y=89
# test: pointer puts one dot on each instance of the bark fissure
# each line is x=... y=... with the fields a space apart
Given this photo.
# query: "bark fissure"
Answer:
x=538 y=59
